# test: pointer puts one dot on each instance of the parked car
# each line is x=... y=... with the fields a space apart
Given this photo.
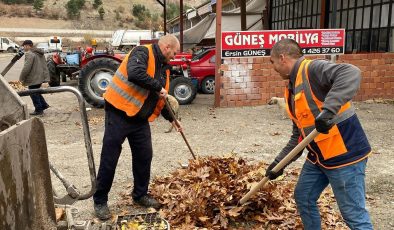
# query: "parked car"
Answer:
x=44 y=46
x=8 y=45
x=202 y=68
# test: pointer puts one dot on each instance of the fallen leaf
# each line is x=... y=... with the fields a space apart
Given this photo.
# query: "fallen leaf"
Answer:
x=59 y=213
x=199 y=194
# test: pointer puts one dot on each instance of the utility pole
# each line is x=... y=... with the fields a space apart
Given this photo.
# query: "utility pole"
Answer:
x=218 y=72
x=243 y=14
x=181 y=24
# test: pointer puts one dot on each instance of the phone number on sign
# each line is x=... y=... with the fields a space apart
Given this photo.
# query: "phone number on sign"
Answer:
x=323 y=50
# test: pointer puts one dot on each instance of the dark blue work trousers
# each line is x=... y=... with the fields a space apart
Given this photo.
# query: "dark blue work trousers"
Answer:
x=38 y=100
x=118 y=127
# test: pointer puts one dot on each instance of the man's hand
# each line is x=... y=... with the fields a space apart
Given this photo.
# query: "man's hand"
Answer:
x=323 y=122
x=163 y=93
x=273 y=175
x=177 y=128
x=45 y=85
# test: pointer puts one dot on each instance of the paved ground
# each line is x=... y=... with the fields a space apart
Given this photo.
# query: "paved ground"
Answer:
x=257 y=133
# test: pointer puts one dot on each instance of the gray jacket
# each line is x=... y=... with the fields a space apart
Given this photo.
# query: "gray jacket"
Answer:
x=333 y=84
x=35 y=69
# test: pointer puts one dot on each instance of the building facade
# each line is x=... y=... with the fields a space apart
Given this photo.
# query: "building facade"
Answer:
x=369 y=24
x=369 y=42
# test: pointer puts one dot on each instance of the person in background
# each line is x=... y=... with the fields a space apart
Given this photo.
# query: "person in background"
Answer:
x=134 y=98
x=34 y=74
x=319 y=96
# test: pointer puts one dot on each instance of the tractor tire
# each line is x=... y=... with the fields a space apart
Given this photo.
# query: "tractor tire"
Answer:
x=183 y=90
x=54 y=75
x=63 y=76
x=208 y=85
x=94 y=79
x=127 y=49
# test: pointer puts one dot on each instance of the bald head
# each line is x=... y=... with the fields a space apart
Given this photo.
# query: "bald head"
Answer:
x=288 y=47
x=168 y=39
x=169 y=46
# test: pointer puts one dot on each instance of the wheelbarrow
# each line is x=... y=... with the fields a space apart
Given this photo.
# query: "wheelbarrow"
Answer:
x=26 y=195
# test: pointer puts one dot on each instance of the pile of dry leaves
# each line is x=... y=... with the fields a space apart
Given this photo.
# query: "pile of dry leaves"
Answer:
x=17 y=85
x=198 y=197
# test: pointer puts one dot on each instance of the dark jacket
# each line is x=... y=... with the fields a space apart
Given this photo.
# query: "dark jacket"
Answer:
x=35 y=69
x=136 y=70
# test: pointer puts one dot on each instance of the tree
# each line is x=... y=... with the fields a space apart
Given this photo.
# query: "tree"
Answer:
x=73 y=9
x=140 y=12
x=38 y=4
x=173 y=10
x=97 y=3
x=101 y=12
x=80 y=4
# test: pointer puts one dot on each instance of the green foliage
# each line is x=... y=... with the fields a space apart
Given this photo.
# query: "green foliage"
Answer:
x=140 y=12
x=80 y=3
x=157 y=22
x=143 y=16
x=173 y=10
x=38 y=4
x=101 y=12
x=73 y=9
x=97 y=3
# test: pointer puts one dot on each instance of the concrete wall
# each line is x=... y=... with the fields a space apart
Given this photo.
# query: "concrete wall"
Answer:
x=253 y=81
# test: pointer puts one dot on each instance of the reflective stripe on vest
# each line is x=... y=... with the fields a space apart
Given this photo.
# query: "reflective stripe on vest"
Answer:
x=129 y=97
x=305 y=110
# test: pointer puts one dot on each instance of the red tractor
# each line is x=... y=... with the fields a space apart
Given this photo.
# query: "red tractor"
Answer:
x=93 y=70
x=97 y=70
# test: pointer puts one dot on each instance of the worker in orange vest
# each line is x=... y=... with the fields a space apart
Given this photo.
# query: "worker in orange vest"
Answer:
x=319 y=96
x=134 y=98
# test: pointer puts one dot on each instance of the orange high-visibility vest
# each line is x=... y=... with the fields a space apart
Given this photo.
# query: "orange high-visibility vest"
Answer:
x=129 y=97
x=306 y=108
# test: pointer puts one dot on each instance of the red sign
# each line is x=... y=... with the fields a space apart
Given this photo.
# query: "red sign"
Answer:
x=260 y=43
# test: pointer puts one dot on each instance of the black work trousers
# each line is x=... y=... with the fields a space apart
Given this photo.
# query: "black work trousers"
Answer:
x=118 y=127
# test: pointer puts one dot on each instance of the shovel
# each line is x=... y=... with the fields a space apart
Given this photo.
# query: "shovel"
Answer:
x=281 y=164
x=177 y=123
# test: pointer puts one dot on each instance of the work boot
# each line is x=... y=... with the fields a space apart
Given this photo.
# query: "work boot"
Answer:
x=37 y=113
x=46 y=107
x=148 y=201
x=102 y=211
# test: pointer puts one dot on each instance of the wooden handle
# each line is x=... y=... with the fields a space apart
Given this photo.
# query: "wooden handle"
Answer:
x=169 y=108
x=281 y=164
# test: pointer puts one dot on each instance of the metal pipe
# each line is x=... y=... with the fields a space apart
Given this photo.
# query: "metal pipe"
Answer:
x=181 y=24
x=85 y=128
x=165 y=16
x=218 y=42
x=243 y=14
x=72 y=191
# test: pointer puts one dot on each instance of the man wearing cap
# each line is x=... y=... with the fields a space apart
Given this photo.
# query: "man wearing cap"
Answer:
x=33 y=74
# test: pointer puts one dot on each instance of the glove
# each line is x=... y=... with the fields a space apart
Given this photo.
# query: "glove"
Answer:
x=273 y=175
x=323 y=121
